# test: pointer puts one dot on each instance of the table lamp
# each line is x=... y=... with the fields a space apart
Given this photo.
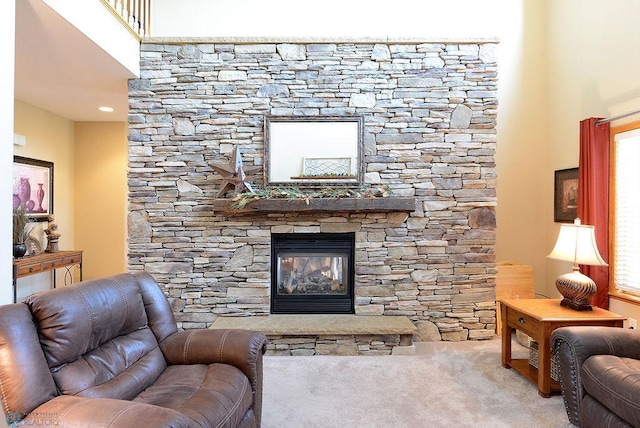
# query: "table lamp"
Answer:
x=577 y=243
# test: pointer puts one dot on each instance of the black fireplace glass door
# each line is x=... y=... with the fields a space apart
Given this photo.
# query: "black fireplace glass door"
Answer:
x=320 y=274
x=312 y=273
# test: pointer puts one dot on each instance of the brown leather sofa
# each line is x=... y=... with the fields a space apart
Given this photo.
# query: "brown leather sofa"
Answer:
x=107 y=352
x=599 y=375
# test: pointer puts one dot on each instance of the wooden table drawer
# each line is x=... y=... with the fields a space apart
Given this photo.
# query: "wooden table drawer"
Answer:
x=71 y=260
x=29 y=269
x=52 y=264
x=523 y=322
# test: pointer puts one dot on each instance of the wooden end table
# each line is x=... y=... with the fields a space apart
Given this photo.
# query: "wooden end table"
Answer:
x=538 y=318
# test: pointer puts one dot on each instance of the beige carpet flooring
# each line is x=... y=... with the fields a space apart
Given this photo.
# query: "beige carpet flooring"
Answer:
x=445 y=384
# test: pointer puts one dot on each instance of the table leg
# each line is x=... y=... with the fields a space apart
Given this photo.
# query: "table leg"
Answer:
x=544 y=366
x=507 y=331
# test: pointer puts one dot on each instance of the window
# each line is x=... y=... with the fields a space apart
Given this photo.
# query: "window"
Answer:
x=625 y=146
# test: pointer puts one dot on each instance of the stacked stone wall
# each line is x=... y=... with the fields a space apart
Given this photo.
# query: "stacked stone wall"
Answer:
x=430 y=133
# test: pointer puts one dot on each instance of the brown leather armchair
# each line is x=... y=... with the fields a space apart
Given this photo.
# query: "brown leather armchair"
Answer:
x=107 y=352
x=599 y=375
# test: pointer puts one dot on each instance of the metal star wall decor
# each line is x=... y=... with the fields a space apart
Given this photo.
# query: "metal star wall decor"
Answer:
x=235 y=175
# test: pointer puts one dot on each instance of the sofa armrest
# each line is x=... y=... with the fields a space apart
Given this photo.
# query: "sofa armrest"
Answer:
x=240 y=348
x=73 y=411
x=573 y=345
x=237 y=347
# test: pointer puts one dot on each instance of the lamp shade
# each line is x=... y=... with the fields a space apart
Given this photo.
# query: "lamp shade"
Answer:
x=577 y=244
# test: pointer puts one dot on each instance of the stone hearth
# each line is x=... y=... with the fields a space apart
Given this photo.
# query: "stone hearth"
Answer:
x=429 y=111
x=329 y=334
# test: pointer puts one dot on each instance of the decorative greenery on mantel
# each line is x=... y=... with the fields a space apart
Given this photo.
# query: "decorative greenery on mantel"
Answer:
x=241 y=200
x=330 y=199
x=317 y=205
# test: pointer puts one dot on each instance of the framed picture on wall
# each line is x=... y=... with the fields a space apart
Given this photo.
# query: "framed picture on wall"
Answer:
x=565 y=206
x=33 y=187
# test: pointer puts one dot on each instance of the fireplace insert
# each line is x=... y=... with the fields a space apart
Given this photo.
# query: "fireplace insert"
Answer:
x=312 y=273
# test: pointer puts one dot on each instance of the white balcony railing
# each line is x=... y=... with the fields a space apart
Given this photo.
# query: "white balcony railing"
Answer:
x=135 y=14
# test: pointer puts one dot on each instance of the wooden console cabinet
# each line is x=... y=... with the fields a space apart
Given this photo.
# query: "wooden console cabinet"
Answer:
x=44 y=262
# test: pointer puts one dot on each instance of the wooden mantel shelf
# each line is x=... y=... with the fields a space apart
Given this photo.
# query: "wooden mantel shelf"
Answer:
x=360 y=205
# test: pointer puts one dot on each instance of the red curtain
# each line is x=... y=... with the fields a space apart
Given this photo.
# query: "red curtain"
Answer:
x=593 y=198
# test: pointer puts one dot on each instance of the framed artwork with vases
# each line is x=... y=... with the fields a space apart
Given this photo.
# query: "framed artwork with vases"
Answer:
x=33 y=187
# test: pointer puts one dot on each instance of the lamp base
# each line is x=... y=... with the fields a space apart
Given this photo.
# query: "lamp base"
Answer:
x=576 y=306
x=577 y=290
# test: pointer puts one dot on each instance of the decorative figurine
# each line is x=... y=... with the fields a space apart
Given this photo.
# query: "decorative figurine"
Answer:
x=235 y=175
x=52 y=236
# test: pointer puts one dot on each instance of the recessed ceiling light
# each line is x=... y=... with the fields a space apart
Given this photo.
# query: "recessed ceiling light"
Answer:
x=106 y=109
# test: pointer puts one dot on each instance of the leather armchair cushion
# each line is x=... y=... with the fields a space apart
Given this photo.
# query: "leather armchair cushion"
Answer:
x=102 y=374
x=96 y=338
x=614 y=382
x=70 y=411
x=239 y=348
x=159 y=312
x=24 y=376
x=109 y=308
x=595 y=415
x=212 y=395
x=576 y=344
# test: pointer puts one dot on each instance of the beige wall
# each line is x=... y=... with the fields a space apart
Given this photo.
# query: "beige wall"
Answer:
x=7 y=53
x=100 y=189
x=593 y=70
x=521 y=155
x=333 y=18
x=50 y=138
x=90 y=163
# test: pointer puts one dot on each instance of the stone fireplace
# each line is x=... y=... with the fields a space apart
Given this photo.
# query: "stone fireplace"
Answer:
x=429 y=133
x=312 y=273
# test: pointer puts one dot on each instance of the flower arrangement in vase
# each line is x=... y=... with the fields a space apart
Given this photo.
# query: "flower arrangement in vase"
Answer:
x=20 y=232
